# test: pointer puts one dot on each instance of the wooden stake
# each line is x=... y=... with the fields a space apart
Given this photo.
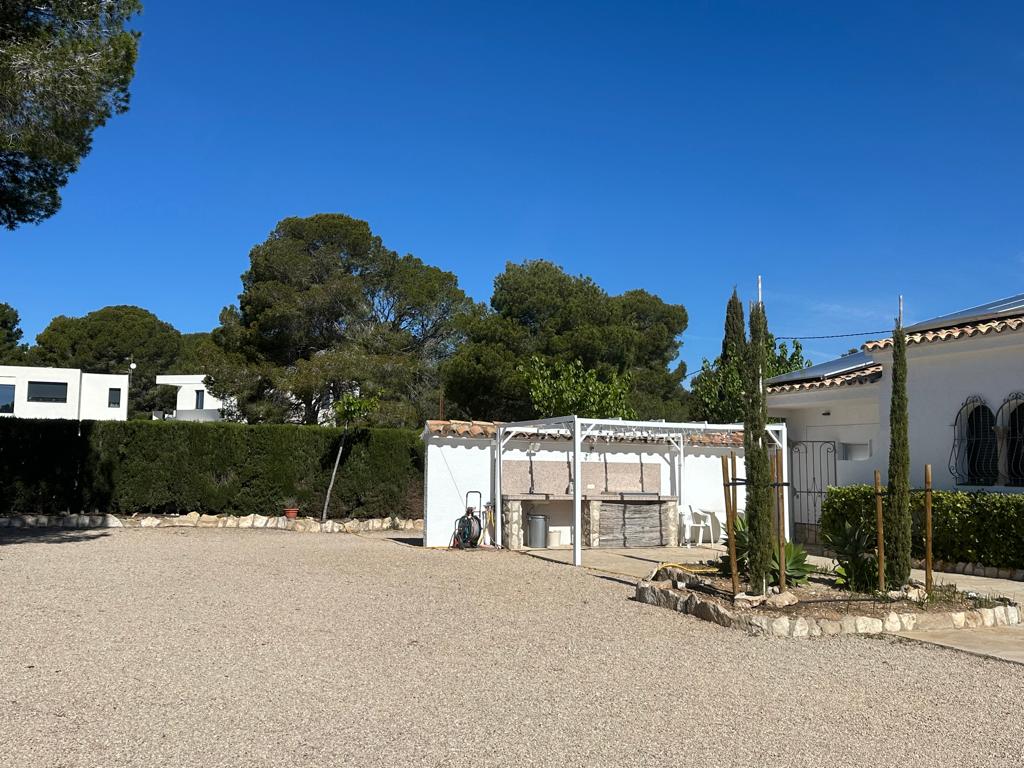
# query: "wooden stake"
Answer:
x=781 y=527
x=730 y=526
x=735 y=487
x=878 y=524
x=928 y=528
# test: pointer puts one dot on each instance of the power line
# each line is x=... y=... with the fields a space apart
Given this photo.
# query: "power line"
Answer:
x=835 y=335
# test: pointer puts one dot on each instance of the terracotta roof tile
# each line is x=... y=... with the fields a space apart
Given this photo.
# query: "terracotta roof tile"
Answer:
x=489 y=429
x=867 y=375
x=969 y=330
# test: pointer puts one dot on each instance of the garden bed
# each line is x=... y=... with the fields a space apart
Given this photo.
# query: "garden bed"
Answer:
x=821 y=608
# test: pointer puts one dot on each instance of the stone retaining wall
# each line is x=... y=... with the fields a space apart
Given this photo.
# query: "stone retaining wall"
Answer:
x=974 y=569
x=664 y=595
x=197 y=520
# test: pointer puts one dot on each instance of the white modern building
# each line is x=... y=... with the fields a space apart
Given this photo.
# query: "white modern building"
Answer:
x=965 y=393
x=194 y=402
x=62 y=393
x=642 y=483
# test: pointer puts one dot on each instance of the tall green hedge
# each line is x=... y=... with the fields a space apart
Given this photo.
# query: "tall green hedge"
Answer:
x=162 y=466
x=976 y=527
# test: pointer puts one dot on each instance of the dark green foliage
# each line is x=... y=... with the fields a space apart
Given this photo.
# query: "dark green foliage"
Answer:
x=12 y=351
x=65 y=68
x=161 y=466
x=105 y=340
x=539 y=310
x=854 y=549
x=755 y=451
x=562 y=388
x=979 y=527
x=797 y=567
x=897 y=524
x=717 y=391
x=326 y=309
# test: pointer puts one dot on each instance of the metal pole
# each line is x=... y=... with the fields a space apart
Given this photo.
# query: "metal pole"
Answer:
x=499 y=512
x=780 y=517
x=577 y=495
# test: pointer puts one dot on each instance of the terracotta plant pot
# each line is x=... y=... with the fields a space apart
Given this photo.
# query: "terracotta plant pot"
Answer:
x=291 y=514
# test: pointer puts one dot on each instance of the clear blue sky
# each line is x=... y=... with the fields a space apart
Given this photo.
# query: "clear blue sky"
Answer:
x=848 y=152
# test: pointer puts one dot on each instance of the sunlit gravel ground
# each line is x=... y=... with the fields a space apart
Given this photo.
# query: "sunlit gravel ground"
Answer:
x=208 y=648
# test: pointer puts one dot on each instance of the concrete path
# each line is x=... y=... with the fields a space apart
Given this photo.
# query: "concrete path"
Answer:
x=1005 y=643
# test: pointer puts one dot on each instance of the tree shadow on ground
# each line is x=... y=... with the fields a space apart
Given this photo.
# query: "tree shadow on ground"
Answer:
x=48 y=536
x=409 y=541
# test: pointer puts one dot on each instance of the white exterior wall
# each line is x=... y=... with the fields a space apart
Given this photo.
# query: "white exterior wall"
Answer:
x=187 y=385
x=86 y=398
x=455 y=466
x=940 y=376
x=96 y=396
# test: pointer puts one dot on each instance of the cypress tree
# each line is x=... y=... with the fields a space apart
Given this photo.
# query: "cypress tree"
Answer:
x=735 y=338
x=897 y=511
x=755 y=453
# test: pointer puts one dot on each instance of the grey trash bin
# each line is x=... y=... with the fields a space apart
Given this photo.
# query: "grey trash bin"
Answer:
x=537 y=531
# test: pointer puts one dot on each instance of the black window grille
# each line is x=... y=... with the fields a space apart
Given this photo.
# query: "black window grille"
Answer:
x=1010 y=429
x=974 y=459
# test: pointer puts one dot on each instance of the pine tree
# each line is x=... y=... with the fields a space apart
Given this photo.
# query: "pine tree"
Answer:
x=897 y=510
x=755 y=453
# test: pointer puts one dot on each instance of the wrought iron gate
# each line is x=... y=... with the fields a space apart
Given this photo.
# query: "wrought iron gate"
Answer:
x=812 y=469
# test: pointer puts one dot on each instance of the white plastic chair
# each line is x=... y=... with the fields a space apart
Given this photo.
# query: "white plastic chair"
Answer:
x=698 y=519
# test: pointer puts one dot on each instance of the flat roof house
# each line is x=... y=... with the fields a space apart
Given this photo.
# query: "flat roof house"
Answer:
x=965 y=392
x=62 y=393
x=194 y=402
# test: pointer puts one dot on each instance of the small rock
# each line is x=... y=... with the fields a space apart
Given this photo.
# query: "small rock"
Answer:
x=868 y=626
x=780 y=627
x=781 y=601
x=111 y=521
x=916 y=594
x=894 y=594
x=758 y=625
x=799 y=627
x=1012 y=615
x=149 y=522
x=849 y=625
x=1018 y=575
x=988 y=617
x=743 y=600
x=972 y=619
x=999 y=615
x=246 y=521
x=959 y=619
x=260 y=521
x=418 y=526
x=960 y=567
x=5 y=522
x=207 y=521
x=829 y=627
x=991 y=572
x=891 y=622
x=1005 y=573
x=907 y=621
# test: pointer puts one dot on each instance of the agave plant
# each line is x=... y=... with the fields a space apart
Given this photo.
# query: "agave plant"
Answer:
x=854 y=550
x=797 y=567
x=742 y=547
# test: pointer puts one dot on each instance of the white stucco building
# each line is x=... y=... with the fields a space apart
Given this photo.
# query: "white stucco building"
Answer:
x=62 y=393
x=965 y=379
x=194 y=402
x=643 y=483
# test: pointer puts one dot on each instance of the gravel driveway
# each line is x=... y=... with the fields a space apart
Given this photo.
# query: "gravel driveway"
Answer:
x=208 y=648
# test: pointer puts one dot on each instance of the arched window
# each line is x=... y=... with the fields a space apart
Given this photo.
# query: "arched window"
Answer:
x=1010 y=430
x=975 y=456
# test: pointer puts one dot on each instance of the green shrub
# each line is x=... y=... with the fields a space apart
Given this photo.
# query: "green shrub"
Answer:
x=855 y=551
x=163 y=466
x=974 y=527
x=797 y=567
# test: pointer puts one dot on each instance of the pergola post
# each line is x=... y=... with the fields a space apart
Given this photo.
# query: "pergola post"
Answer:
x=497 y=489
x=577 y=495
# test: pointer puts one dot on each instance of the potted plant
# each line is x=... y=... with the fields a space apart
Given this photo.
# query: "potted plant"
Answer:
x=291 y=507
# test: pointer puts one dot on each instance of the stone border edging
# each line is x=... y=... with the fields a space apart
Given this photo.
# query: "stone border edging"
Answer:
x=973 y=569
x=664 y=595
x=197 y=520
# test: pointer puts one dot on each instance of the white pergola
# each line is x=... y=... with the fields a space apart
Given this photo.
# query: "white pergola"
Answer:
x=578 y=429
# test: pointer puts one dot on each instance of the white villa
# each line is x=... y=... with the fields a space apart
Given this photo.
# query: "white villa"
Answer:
x=62 y=393
x=194 y=402
x=965 y=391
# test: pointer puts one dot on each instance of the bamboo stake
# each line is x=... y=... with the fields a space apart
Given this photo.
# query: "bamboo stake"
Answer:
x=928 y=528
x=878 y=524
x=779 y=516
x=730 y=526
x=735 y=487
